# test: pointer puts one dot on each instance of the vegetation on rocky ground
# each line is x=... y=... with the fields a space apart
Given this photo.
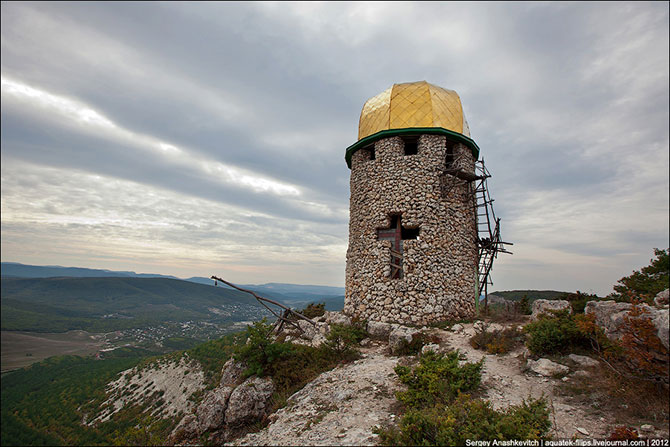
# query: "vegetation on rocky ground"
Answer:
x=44 y=403
x=497 y=341
x=554 y=333
x=292 y=366
x=313 y=310
x=438 y=412
x=414 y=346
x=645 y=283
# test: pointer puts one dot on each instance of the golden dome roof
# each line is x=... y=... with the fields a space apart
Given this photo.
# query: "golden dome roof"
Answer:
x=413 y=104
x=412 y=108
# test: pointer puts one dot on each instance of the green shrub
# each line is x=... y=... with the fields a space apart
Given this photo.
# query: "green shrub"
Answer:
x=414 y=347
x=523 y=305
x=343 y=338
x=554 y=334
x=497 y=341
x=291 y=366
x=578 y=300
x=437 y=378
x=314 y=310
x=259 y=350
x=469 y=419
x=646 y=282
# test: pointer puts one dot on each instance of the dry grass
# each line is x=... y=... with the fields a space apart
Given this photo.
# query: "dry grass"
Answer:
x=496 y=313
x=629 y=401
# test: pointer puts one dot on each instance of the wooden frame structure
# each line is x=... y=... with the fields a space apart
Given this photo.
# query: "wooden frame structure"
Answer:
x=283 y=317
x=489 y=242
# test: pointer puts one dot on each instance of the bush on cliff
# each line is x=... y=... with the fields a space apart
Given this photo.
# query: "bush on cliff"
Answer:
x=554 y=334
x=438 y=378
x=438 y=413
x=467 y=419
x=291 y=366
x=647 y=282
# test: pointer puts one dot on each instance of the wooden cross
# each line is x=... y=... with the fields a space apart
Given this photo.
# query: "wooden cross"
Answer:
x=396 y=233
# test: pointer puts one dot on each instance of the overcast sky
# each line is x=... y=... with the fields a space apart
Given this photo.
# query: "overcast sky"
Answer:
x=208 y=138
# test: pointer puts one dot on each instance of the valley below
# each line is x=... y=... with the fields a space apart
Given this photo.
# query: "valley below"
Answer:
x=20 y=349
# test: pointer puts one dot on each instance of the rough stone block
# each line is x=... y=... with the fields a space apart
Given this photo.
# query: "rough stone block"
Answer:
x=546 y=306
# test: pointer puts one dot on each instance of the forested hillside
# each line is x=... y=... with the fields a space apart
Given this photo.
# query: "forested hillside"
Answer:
x=108 y=304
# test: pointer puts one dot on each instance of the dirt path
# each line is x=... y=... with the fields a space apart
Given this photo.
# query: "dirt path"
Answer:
x=505 y=383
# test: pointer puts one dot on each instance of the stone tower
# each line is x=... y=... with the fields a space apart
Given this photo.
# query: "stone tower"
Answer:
x=412 y=255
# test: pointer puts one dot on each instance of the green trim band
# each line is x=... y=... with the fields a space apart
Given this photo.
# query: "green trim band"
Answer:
x=460 y=138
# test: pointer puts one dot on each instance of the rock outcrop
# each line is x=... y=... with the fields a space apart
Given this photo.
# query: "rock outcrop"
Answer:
x=547 y=368
x=379 y=330
x=249 y=401
x=583 y=361
x=547 y=306
x=611 y=316
x=340 y=407
x=227 y=407
x=662 y=298
x=401 y=335
x=210 y=412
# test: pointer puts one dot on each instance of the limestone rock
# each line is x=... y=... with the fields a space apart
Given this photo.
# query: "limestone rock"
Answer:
x=379 y=330
x=457 y=327
x=308 y=329
x=188 y=428
x=583 y=431
x=399 y=334
x=249 y=401
x=430 y=347
x=501 y=302
x=211 y=410
x=547 y=368
x=660 y=320
x=611 y=315
x=318 y=340
x=337 y=318
x=583 y=360
x=232 y=373
x=546 y=306
x=662 y=298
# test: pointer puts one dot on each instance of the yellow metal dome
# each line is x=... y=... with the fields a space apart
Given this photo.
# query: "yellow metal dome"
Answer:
x=413 y=104
x=412 y=108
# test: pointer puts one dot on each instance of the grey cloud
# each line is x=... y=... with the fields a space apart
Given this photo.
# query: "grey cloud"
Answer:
x=568 y=101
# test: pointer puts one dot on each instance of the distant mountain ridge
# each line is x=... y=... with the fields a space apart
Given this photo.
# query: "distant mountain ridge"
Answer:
x=108 y=304
x=293 y=295
x=15 y=269
x=532 y=295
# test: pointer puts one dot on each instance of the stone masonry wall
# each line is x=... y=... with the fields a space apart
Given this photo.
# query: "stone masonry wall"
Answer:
x=439 y=268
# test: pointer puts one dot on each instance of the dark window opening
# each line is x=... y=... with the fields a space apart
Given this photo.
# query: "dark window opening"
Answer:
x=411 y=145
x=394 y=221
x=395 y=234
x=370 y=151
x=409 y=233
x=450 y=155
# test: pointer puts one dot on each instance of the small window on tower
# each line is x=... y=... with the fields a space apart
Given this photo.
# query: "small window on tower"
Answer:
x=450 y=155
x=411 y=145
x=369 y=151
x=409 y=233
